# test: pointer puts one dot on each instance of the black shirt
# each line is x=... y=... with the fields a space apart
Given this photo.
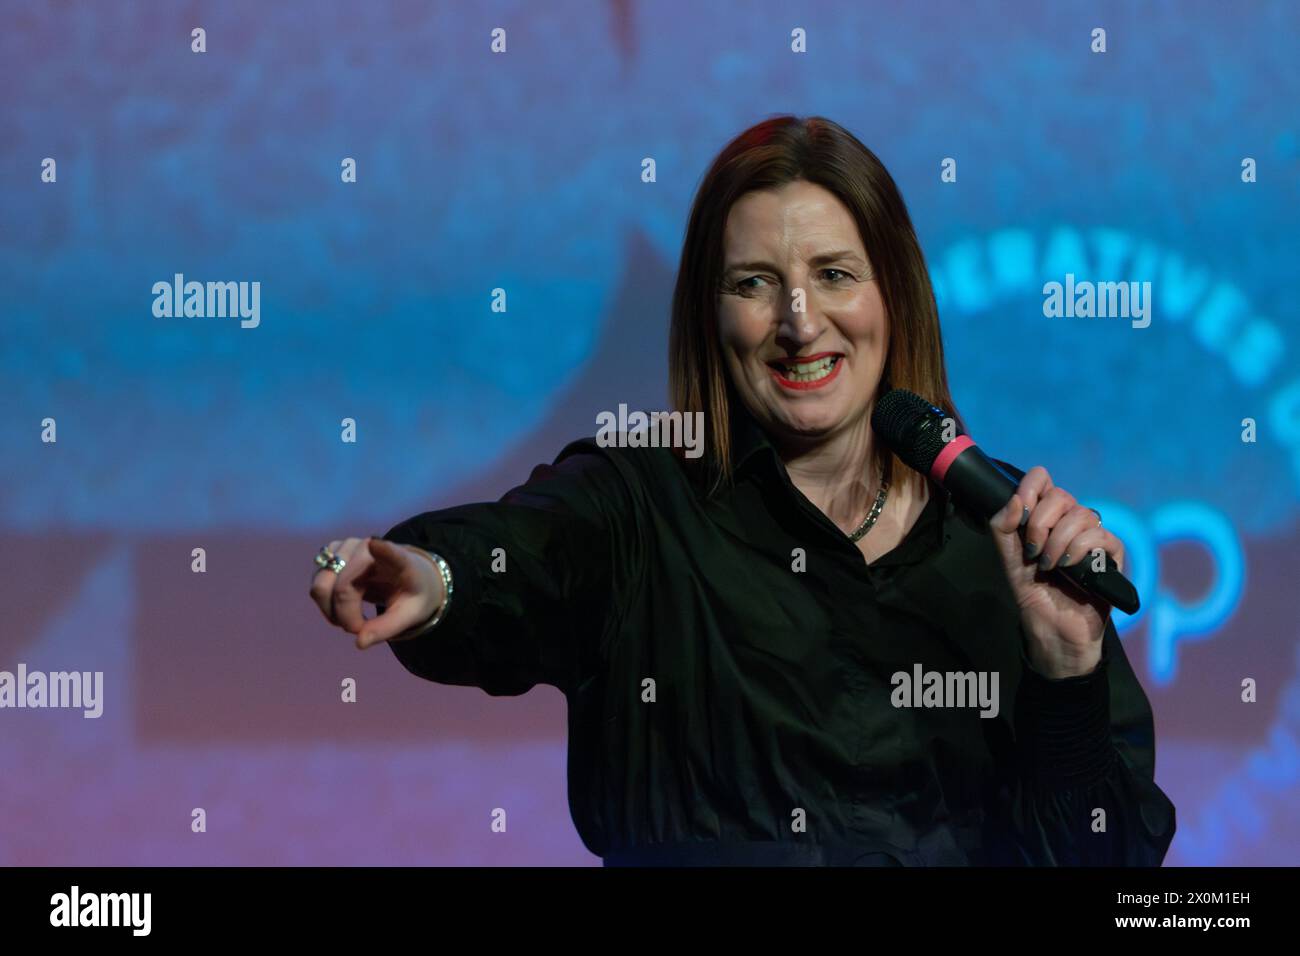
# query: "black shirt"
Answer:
x=730 y=664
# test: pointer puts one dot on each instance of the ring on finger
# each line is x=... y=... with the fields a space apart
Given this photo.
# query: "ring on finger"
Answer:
x=325 y=558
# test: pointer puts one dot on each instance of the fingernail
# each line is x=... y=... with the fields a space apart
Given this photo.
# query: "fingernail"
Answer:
x=1024 y=517
x=1044 y=563
x=1065 y=559
x=1031 y=550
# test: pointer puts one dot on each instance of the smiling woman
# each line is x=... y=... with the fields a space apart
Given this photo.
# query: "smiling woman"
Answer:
x=775 y=340
x=725 y=627
x=799 y=235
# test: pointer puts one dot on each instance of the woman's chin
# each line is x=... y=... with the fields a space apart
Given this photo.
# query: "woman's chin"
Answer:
x=808 y=428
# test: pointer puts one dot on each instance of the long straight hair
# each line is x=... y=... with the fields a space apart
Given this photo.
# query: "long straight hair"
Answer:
x=768 y=155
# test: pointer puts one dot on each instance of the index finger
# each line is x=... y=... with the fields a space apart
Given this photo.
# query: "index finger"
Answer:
x=1034 y=485
x=347 y=589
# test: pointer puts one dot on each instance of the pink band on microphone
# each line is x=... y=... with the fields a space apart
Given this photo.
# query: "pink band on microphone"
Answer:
x=945 y=458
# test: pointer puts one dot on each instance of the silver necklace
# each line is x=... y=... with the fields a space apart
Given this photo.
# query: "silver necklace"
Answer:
x=875 y=511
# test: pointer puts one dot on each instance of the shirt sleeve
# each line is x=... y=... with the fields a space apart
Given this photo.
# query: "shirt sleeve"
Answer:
x=535 y=576
x=1085 y=791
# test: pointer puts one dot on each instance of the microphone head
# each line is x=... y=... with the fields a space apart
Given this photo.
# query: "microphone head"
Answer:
x=911 y=427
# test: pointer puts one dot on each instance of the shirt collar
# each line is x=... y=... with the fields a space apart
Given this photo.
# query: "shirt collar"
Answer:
x=751 y=449
x=748 y=440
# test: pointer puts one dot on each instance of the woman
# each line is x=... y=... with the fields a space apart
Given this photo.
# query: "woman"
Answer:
x=743 y=638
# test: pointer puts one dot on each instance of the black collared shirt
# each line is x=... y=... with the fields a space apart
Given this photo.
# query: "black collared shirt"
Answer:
x=734 y=674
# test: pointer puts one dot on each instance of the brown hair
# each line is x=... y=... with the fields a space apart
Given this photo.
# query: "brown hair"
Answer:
x=765 y=156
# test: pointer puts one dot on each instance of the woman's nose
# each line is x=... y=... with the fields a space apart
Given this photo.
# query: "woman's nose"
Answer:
x=798 y=324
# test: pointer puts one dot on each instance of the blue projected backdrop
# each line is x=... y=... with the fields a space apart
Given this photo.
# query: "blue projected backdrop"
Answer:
x=130 y=163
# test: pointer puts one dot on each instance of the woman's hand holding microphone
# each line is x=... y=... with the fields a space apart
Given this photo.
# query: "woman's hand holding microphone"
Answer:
x=1064 y=627
x=407 y=581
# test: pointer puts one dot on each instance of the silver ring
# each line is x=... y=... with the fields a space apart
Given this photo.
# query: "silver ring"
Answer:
x=325 y=558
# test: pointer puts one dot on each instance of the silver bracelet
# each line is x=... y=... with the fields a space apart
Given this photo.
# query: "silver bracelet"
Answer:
x=445 y=570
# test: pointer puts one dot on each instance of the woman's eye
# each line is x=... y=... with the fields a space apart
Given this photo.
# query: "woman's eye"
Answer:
x=748 y=288
x=839 y=272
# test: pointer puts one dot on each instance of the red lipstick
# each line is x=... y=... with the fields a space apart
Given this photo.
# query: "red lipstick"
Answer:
x=780 y=369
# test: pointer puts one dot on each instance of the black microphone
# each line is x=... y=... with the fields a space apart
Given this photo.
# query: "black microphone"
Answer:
x=914 y=430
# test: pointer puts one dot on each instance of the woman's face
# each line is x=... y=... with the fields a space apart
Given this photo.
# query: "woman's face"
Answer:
x=797 y=286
